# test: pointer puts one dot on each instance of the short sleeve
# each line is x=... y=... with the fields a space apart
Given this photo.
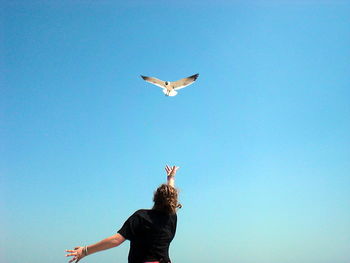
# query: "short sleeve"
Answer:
x=130 y=227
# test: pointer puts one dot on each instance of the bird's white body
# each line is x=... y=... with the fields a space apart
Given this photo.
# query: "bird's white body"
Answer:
x=170 y=93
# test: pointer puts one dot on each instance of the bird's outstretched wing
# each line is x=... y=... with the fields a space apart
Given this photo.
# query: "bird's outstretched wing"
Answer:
x=184 y=82
x=155 y=81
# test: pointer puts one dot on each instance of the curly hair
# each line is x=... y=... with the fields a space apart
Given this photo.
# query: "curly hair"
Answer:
x=165 y=199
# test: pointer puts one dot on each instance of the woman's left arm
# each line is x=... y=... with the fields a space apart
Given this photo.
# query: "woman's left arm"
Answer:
x=79 y=252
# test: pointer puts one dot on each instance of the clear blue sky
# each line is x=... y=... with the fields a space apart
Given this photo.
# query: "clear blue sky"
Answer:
x=262 y=137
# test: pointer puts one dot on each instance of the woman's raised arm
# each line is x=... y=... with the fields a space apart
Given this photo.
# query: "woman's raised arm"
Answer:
x=171 y=172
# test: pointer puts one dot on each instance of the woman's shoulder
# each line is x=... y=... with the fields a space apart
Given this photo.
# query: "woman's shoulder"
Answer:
x=153 y=212
x=142 y=211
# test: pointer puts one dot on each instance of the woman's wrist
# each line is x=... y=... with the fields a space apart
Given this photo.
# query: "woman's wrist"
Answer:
x=171 y=180
x=85 y=251
x=170 y=177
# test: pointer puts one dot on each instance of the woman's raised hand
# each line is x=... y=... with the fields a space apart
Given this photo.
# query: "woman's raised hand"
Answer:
x=77 y=254
x=171 y=171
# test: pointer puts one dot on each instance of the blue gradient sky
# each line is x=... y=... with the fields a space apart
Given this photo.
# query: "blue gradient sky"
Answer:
x=262 y=137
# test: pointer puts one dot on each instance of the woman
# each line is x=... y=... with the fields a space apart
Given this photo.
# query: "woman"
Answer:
x=150 y=231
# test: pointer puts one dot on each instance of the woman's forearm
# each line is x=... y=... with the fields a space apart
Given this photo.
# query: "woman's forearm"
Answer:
x=109 y=242
x=171 y=181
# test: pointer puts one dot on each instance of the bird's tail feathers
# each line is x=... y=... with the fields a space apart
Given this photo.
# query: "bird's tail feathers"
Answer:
x=172 y=93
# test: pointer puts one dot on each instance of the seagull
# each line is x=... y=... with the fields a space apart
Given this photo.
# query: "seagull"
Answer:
x=170 y=88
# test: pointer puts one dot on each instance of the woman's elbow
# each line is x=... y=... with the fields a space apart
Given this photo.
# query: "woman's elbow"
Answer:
x=117 y=239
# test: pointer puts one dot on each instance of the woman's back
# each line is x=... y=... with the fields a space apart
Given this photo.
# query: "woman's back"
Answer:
x=150 y=232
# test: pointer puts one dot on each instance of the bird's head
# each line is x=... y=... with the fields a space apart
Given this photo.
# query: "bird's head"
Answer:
x=166 y=83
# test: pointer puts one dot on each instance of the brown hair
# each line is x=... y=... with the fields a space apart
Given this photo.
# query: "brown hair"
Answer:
x=165 y=199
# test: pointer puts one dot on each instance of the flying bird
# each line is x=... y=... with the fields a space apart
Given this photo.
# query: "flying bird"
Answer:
x=170 y=87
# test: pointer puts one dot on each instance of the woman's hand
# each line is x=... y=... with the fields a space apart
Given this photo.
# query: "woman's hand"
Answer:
x=77 y=254
x=171 y=171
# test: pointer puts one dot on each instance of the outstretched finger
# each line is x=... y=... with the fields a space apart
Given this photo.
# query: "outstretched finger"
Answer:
x=167 y=168
x=72 y=254
x=73 y=259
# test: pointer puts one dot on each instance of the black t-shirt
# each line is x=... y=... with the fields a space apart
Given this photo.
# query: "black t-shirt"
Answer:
x=150 y=233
